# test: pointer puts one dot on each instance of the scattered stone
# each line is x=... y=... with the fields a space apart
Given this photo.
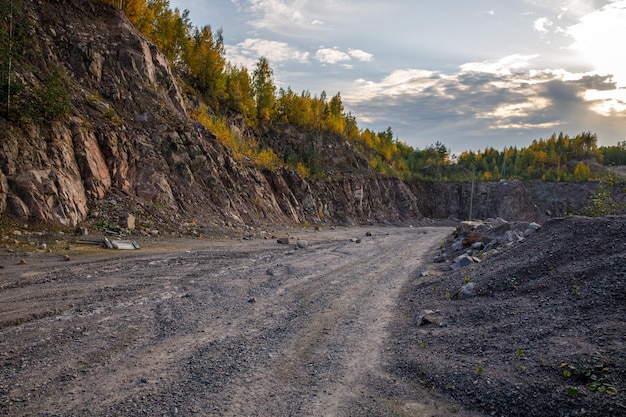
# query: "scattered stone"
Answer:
x=154 y=233
x=283 y=240
x=472 y=238
x=355 y=240
x=464 y=228
x=430 y=317
x=127 y=221
x=369 y=234
x=17 y=233
x=302 y=244
x=66 y=258
x=43 y=246
x=509 y=237
x=532 y=228
x=462 y=261
x=23 y=262
x=467 y=291
x=252 y=300
x=478 y=246
x=457 y=246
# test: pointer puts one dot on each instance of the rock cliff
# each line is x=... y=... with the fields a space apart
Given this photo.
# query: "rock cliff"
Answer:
x=129 y=140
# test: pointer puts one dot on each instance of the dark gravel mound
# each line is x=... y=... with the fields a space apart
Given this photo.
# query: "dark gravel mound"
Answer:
x=540 y=330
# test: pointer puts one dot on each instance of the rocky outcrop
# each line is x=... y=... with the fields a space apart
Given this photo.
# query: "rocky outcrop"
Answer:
x=130 y=137
x=532 y=201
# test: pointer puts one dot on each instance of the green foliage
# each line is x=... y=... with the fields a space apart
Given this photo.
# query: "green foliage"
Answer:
x=582 y=172
x=572 y=391
x=544 y=159
x=603 y=388
x=55 y=95
x=602 y=202
x=614 y=155
x=264 y=90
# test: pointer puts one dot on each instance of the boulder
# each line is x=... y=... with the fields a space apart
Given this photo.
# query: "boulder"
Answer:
x=465 y=227
x=532 y=228
x=462 y=261
x=430 y=317
x=467 y=291
x=472 y=238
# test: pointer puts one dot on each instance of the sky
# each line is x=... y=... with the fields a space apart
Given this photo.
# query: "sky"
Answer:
x=469 y=74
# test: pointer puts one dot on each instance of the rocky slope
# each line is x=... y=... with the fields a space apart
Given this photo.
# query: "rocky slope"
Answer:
x=129 y=145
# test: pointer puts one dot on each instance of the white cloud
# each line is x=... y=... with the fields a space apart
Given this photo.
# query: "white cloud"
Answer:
x=542 y=24
x=608 y=102
x=504 y=66
x=398 y=82
x=248 y=52
x=361 y=55
x=277 y=15
x=516 y=110
x=331 y=55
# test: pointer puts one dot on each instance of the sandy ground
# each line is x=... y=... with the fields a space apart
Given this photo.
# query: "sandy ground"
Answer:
x=221 y=327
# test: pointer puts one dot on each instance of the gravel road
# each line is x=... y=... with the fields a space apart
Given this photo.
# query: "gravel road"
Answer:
x=214 y=327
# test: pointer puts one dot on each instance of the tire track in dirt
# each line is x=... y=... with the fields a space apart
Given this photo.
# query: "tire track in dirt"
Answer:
x=228 y=328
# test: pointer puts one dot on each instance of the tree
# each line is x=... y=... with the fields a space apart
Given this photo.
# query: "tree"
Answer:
x=238 y=94
x=264 y=90
x=205 y=62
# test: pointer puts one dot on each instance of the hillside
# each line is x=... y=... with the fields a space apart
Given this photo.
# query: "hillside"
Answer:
x=128 y=143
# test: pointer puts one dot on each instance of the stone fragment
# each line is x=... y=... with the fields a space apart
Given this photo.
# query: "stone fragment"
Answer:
x=283 y=240
x=127 y=221
x=462 y=261
x=457 y=246
x=464 y=228
x=430 y=317
x=472 y=238
x=478 y=245
x=532 y=228
x=302 y=244
x=467 y=291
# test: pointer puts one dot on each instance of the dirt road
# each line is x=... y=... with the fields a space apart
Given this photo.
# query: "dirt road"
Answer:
x=213 y=328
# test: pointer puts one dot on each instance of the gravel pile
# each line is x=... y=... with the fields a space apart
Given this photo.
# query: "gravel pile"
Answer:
x=542 y=331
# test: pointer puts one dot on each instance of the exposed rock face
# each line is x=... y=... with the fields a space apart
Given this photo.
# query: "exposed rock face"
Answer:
x=532 y=201
x=130 y=136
